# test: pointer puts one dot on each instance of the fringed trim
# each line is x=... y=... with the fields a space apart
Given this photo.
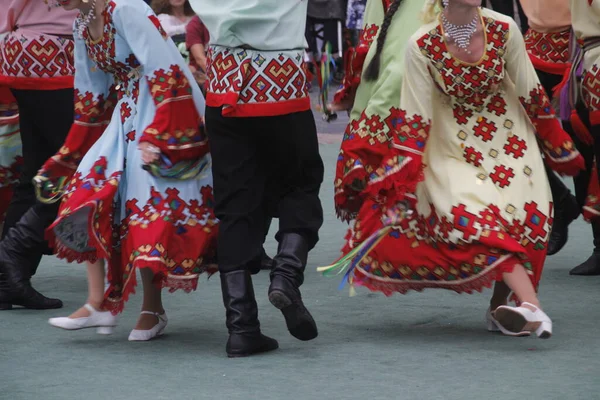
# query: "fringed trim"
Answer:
x=349 y=262
x=493 y=273
x=116 y=303
x=402 y=177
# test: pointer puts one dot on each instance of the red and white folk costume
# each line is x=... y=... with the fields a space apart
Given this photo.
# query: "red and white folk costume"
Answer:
x=465 y=157
x=585 y=91
x=132 y=86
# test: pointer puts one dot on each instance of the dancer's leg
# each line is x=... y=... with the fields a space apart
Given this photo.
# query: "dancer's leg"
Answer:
x=518 y=281
x=152 y=301
x=95 y=276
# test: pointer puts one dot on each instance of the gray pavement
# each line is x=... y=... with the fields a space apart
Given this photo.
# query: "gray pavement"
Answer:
x=429 y=346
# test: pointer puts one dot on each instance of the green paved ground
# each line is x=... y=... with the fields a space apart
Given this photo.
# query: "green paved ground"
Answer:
x=420 y=346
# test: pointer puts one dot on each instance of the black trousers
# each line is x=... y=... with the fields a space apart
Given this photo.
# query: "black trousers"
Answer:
x=330 y=34
x=45 y=119
x=506 y=7
x=262 y=167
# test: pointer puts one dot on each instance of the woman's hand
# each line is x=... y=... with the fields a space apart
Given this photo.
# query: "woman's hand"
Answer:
x=150 y=153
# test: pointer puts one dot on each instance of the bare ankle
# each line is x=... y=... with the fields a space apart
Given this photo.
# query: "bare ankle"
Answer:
x=97 y=305
x=535 y=303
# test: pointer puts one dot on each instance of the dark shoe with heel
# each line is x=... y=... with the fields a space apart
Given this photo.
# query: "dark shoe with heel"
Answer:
x=245 y=337
x=286 y=278
x=567 y=210
x=590 y=267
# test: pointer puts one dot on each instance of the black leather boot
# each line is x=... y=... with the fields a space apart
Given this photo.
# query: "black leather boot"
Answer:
x=245 y=338
x=284 y=293
x=266 y=262
x=566 y=211
x=591 y=266
x=15 y=257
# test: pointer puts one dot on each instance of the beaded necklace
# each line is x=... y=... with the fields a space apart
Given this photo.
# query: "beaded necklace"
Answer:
x=460 y=34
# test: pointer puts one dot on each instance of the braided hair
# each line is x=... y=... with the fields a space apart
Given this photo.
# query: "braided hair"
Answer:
x=374 y=66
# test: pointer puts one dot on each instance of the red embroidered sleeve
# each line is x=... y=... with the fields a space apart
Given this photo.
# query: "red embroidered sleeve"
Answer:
x=561 y=154
x=92 y=115
x=402 y=169
x=557 y=145
x=176 y=128
x=355 y=59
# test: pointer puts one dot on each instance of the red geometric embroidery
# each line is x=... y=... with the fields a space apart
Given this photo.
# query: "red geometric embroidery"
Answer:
x=485 y=129
x=369 y=33
x=487 y=218
x=103 y=51
x=464 y=221
x=469 y=86
x=412 y=132
x=515 y=147
x=125 y=112
x=40 y=57
x=537 y=105
x=497 y=105
x=502 y=176
x=130 y=137
x=473 y=156
x=446 y=226
x=550 y=47
x=591 y=88
x=281 y=72
x=374 y=123
x=255 y=78
x=167 y=85
x=461 y=114
x=535 y=221
x=158 y=26
x=516 y=229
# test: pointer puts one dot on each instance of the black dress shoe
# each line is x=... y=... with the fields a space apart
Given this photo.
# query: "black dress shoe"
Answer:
x=589 y=267
x=567 y=210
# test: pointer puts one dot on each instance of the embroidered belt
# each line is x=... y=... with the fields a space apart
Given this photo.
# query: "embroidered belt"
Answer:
x=576 y=74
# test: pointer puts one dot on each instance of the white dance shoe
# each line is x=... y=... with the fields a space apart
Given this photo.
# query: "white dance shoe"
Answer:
x=104 y=321
x=517 y=319
x=138 y=335
x=494 y=326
